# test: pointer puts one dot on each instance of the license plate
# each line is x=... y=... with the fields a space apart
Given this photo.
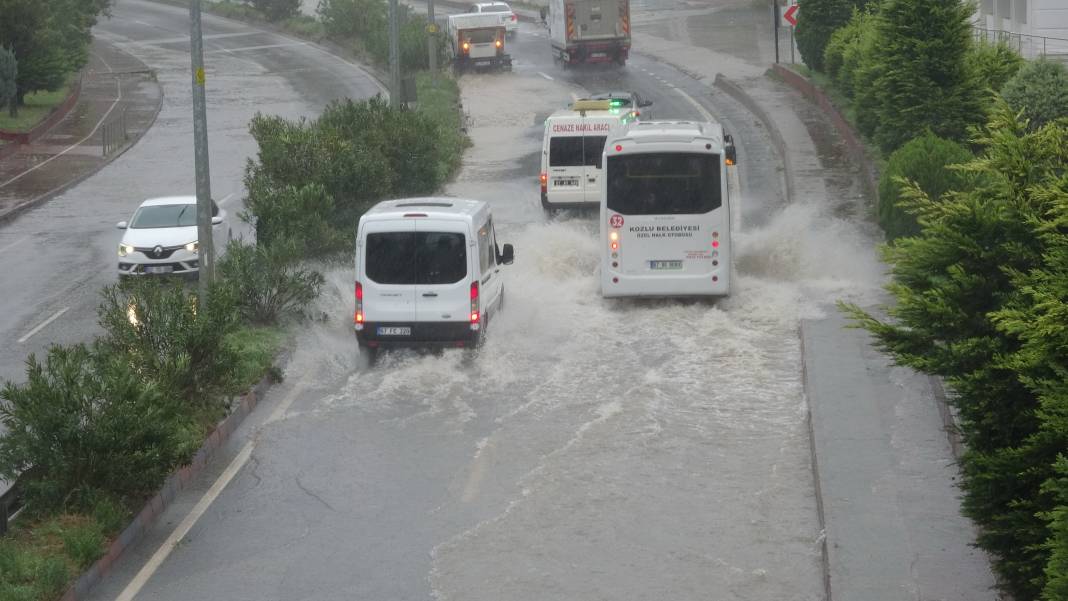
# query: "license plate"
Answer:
x=598 y=55
x=158 y=269
x=483 y=62
x=665 y=265
x=570 y=181
x=394 y=331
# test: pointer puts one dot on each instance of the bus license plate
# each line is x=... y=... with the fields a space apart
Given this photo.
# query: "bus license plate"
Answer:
x=665 y=265
x=394 y=331
x=565 y=181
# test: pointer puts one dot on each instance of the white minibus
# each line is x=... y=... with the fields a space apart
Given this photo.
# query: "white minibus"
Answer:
x=571 y=154
x=427 y=273
x=665 y=211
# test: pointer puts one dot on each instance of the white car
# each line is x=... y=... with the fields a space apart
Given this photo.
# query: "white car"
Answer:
x=161 y=237
x=508 y=16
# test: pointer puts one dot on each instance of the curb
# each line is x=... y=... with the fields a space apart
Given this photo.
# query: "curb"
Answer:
x=174 y=484
x=735 y=91
x=58 y=114
x=821 y=516
x=845 y=130
x=33 y=202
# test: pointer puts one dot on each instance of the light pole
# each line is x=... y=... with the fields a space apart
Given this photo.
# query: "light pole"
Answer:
x=432 y=48
x=206 y=248
x=394 y=56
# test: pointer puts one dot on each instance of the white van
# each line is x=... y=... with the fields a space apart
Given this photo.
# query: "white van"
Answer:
x=571 y=154
x=427 y=273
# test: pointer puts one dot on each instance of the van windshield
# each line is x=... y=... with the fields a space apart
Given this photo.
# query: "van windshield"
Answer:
x=416 y=257
x=664 y=184
x=575 y=151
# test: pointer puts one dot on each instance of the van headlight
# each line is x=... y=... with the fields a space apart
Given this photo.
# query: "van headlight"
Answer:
x=193 y=246
x=125 y=249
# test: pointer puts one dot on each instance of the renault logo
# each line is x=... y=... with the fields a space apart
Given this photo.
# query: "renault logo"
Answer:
x=157 y=252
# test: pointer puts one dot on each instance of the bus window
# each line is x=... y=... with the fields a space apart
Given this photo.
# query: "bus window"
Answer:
x=664 y=184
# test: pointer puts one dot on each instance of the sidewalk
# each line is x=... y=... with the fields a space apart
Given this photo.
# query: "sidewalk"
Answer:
x=119 y=101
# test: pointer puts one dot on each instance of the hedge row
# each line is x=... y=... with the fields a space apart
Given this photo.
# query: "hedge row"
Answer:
x=974 y=200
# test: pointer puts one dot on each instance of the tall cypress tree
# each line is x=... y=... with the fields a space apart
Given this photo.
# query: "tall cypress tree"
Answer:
x=923 y=82
x=9 y=69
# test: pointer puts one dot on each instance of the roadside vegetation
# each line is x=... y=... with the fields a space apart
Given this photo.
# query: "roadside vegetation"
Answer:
x=973 y=141
x=97 y=427
x=48 y=40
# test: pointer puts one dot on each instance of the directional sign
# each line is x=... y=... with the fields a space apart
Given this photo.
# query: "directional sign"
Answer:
x=790 y=15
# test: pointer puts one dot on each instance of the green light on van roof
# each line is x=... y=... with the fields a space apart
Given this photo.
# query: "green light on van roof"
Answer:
x=617 y=103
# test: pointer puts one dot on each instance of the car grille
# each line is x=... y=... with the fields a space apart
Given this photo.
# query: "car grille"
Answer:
x=159 y=252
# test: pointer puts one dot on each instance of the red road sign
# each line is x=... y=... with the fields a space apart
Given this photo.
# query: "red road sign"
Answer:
x=616 y=221
x=790 y=15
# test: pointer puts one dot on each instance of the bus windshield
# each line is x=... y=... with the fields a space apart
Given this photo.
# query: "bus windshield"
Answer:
x=664 y=183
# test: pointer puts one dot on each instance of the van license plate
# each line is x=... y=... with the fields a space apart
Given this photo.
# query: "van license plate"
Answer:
x=665 y=265
x=565 y=181
x=394 y=331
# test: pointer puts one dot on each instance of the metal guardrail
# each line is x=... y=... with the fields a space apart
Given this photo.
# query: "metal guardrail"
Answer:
x=1026 y=44
x=114 y=135
x=10 y=505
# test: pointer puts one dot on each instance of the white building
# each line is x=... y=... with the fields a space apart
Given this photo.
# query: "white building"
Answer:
x=1035 y=27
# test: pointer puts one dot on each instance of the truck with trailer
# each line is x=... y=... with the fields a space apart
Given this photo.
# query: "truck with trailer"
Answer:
x=589 y=31
x=476 y=41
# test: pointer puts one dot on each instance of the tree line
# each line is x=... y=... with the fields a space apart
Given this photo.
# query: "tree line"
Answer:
x=973 y=143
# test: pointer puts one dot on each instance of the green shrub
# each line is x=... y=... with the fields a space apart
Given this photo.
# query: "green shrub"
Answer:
x=817 y=20
x=1057 y=569
x=268 y=282
x=844 y=51
x=305 y=216
x=923 y=161
x=351 y=18
x=1040 y=91
x=277 y=10
x=158 y=328
x=993 y=64
x=256 y=348
x=86 y=421
x=107 y=512
x=9 y=69
x=305 y=27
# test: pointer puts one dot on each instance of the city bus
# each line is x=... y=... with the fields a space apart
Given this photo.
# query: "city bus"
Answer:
x=665 y=211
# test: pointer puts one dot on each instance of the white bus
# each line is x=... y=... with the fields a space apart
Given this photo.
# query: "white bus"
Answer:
x=665 y=210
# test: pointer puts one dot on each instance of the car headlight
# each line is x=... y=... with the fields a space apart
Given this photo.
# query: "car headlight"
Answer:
x=192 y=246
x=125 y=249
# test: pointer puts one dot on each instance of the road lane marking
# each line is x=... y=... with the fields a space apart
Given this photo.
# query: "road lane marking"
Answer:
x=263 y=47
x=700 y=109
x=44 y=324
x=14 y=244
x=179 y=533
x=185 y=39
x=118 y=99
x=545 y=76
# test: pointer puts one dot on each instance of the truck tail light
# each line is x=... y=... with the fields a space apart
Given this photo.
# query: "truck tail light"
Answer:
x=358 y=318
x=498 y=43
x=466 y=46
x=476 y=316
x=544 y=177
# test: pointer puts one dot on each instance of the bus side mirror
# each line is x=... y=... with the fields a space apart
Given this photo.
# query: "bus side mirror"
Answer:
x=507 y=256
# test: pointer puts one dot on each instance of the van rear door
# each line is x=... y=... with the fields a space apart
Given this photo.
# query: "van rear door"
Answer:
x=388 y=273
x=444 y=272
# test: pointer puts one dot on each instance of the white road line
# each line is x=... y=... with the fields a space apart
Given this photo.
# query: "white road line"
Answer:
x=44 y=323
x=264 y=47
x=118 y=99
x=175 y=538
x=707 y=116
x=545 y=76
x=15 y=243
x=180 y=39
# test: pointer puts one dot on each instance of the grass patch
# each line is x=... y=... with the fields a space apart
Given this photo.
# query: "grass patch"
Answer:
x=305 y=26
x=440 y=101
x=39 y=105
x=256 y=347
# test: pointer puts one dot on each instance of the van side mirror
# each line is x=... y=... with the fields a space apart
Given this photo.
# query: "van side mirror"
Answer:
x=507 y=255
x=216 y=220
